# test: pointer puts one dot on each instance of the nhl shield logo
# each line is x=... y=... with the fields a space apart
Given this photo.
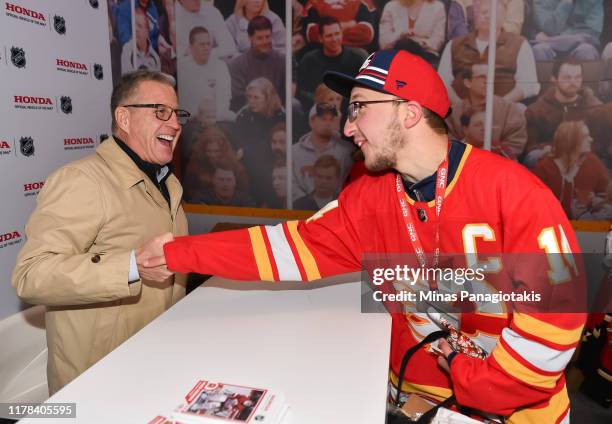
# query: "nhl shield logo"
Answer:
x=98 y=71
x=94 y=3
x=59 y=23
x=66 y=104
x=18 y=57
x=26 y=145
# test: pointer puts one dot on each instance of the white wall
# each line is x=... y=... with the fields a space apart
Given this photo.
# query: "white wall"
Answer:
x=30 y=106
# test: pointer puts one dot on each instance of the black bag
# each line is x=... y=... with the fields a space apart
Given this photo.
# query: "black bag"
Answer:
x=394 y=413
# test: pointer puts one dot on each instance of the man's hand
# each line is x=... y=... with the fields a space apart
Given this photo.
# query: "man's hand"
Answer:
x=446 y=350
x=150 y=259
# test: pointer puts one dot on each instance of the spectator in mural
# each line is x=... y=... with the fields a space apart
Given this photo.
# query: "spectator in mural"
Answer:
x=278 y=141
x=324 y=94
x=298 y=41
x=254 y=125
x=278 y=199
x=567 y=27
x=417 y=26
x=567 y=99
x=209 y=150
x=357 y=19
x=332 y=56
x=260 y=60
x=123 y=18
x=224 y=190
x=323 y=139
x=472 y=127
x=238 y=24
x=193 y=13
x=514 y=17
x=167 y=39
x=456 y=20
x=515 y=71
x=574 y=174
x=206 y=117
x=326 y=179
x=599 y=121
x=204 y=76
x=509 y=126
x=144 y=55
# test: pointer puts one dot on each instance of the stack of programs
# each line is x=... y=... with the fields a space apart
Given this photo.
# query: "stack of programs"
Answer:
x=218 y=403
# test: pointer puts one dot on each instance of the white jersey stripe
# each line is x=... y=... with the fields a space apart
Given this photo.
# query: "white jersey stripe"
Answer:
x=537 y=354
x=283 y=256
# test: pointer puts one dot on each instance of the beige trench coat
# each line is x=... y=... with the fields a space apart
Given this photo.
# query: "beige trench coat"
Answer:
x=90 y=214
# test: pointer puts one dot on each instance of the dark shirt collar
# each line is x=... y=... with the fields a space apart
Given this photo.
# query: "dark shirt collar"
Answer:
x=425 y=190
x=156 y=173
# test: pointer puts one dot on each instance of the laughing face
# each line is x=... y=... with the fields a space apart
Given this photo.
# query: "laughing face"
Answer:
x=152 y=139
x=377 y=130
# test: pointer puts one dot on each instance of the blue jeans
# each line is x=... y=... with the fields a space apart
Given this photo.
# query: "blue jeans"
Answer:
x=582 y=47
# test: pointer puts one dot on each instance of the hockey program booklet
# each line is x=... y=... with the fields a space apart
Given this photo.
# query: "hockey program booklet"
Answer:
x=222 y=403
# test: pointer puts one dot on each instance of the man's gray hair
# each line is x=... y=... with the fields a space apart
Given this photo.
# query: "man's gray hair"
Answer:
x=128 y=85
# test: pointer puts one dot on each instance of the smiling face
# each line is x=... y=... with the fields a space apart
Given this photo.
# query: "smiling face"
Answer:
x=256 y=100
x=331 y=38
x=152 y=139
x=377 y=129
x=261 y=41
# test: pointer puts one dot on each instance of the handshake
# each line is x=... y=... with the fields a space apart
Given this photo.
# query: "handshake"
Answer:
x=151 y=261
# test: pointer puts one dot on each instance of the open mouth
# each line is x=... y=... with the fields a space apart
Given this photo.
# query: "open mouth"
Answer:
x=165 y=139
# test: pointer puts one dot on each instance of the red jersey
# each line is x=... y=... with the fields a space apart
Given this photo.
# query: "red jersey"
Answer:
x=492 y=205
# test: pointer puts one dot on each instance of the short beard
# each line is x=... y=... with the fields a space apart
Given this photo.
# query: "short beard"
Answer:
x=387 y=158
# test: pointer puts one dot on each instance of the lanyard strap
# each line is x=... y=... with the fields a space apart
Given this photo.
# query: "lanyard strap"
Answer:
x=441 y=180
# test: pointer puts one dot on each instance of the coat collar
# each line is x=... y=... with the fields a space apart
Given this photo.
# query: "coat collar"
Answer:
x=129 y=175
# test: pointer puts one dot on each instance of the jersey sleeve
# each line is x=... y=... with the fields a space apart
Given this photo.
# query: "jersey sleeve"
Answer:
x=326 y=244
x=527 y=364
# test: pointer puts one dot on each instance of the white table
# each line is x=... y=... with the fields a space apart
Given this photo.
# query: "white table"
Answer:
x=314 y=345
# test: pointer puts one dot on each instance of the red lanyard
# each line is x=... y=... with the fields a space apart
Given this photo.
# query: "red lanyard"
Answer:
x=441 y=180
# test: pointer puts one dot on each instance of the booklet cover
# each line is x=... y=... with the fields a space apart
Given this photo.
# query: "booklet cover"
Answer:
x=212 y=402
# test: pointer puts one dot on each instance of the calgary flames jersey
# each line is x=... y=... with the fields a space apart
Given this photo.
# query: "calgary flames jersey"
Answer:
x=492 y=205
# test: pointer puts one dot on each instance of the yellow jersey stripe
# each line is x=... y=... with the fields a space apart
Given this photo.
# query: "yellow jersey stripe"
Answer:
x=308 y=261
x=439 y=393
x=261 y=254
x=520 y=371
x=546 y=331
x=557 y=405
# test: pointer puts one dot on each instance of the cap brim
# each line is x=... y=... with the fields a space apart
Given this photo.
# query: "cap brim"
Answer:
x=343 y=84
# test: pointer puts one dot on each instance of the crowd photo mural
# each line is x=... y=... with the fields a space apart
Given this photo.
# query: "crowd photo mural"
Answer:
x=552 y=103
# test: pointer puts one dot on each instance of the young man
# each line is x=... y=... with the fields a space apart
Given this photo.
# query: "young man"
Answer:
x=427 y=194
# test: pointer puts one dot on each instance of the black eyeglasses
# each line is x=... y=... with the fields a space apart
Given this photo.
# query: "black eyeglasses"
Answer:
x=164 y=112
x=355 y=107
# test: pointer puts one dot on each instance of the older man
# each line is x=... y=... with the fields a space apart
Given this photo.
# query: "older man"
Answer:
x=509 y=126
x=82 y=257
x=515 y=71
